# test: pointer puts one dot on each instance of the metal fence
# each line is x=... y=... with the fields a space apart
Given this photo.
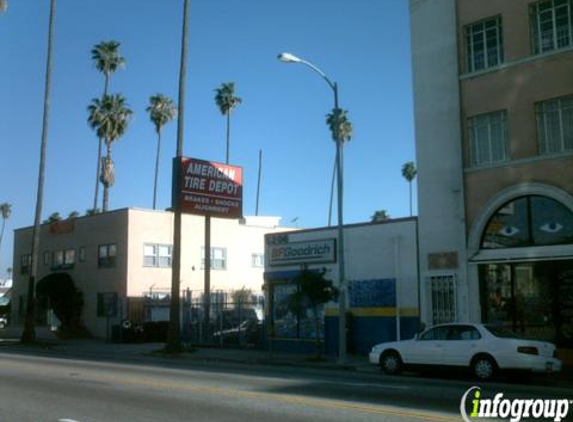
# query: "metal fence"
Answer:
x=235 y=318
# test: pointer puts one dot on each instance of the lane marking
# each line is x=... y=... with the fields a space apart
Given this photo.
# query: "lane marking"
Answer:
x=67 y=420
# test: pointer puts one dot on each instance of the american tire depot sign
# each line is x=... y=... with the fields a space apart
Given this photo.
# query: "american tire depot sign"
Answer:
x=209 y=188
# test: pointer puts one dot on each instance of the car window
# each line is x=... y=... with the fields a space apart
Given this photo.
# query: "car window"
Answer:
x=462 y=332
x=501 y=332
x=438 y=333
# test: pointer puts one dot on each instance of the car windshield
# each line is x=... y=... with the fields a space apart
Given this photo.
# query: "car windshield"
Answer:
x=501 y=332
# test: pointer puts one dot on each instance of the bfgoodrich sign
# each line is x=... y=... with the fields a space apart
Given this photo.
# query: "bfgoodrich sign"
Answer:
x=312 y=252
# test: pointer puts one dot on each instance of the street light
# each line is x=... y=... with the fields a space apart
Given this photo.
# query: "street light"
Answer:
x=291 y=58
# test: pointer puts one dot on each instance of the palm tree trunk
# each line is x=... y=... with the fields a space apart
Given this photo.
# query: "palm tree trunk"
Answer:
x=174 y=333
x=106 y=185
x=98 y=164
x=228 y=134
x=156 y=168
x=317 y=351
x=410 y=188
x=2 y=232
x=29 y=333
x=331 y=194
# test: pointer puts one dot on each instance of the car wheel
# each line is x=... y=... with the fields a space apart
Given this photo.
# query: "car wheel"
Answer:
x=484 y=368
x=391 y=363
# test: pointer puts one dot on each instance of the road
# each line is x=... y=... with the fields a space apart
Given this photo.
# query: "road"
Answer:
x=46 y=388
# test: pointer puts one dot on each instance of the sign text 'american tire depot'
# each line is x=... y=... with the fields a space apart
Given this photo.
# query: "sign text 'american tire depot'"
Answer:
x=209 y=188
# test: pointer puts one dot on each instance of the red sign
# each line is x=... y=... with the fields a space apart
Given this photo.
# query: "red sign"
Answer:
x=209 y=188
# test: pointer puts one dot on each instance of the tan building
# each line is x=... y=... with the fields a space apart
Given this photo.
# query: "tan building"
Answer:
x=128 y=253
x=494 y=120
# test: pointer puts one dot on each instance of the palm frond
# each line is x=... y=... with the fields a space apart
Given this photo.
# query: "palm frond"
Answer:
x=107 y=58
x=226 y=99
x=109 y=117
x=161 y=110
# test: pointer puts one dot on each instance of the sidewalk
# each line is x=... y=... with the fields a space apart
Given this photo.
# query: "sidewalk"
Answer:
x=151 y=352
x=141 y=351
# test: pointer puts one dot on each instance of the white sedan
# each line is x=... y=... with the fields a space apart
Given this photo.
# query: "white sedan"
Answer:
x=484 y=349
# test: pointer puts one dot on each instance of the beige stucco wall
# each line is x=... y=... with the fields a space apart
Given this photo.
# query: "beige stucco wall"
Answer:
x=88 y=232
x=515 y=18
x=520 y=82
x=240 y=240
x=130 y=229
x=517 y=89
x=483 y=185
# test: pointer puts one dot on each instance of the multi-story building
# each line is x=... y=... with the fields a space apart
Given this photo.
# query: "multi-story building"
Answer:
x=127 y=254
x=494 y=136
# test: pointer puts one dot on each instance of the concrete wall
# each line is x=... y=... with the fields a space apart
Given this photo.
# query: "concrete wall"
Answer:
x=370 y=253
x=383 y=255
x=438 y=146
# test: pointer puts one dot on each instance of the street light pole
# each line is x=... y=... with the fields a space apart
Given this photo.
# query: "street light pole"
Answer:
x=290 y=58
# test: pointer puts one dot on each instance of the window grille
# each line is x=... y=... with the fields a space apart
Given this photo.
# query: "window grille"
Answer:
x=555 y=125
x=551 y=25
x=484 y=44
x=443 y=299
x=488 y=138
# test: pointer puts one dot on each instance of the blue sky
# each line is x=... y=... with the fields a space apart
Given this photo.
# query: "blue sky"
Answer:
x=364 y=45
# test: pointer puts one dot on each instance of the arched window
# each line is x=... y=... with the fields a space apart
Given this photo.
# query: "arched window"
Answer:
x=529 y=221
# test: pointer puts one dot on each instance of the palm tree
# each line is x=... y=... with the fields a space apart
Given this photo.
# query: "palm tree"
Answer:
x=226 y=100
x=409 y=172
x=109 y=117
x=380 y=215
x=173 y=343
x=29 y=332
x=5 y=210
x=161 y=111
x=107 y=60
x=73 y=214
x=345 y=130
x=53 y=218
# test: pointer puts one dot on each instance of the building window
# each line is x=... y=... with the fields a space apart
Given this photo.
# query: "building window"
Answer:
x=488 y=138
x=107 y=255
x=555 y=125
x=25 y=262
x=58 y=258
x=257 y=260
x=551 y=25
x=82 y=254
x=218 y=258
x=64 y=259
x=289 y=324
x=157 y=255
x=484 y=44
x=46 y=258
x=529 y=221
x=443 y=299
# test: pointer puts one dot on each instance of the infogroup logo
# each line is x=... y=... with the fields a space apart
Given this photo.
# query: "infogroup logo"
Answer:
x=512 y=409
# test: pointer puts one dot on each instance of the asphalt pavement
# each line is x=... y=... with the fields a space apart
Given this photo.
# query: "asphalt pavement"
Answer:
x=91 y=380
